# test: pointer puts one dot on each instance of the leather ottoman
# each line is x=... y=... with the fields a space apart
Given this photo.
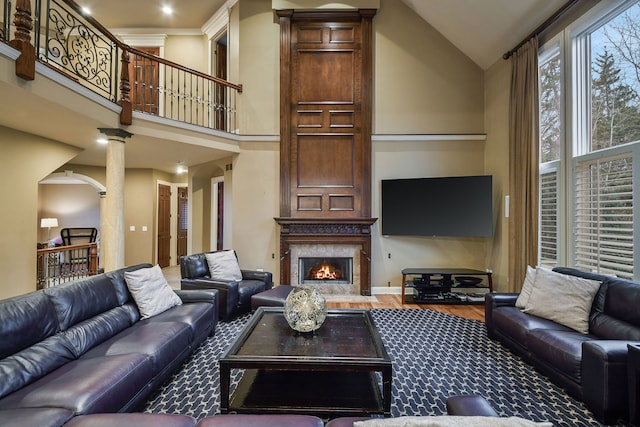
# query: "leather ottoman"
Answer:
x=273 y=297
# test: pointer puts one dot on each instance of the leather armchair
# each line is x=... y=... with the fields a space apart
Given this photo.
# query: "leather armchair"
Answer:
x=234 y=296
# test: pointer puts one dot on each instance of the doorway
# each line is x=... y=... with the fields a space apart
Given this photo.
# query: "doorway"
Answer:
x=172 y=223
x=145 y=80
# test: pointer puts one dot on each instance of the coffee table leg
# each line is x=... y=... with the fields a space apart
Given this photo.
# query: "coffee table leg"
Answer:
x=225 y=379
x=386 y=390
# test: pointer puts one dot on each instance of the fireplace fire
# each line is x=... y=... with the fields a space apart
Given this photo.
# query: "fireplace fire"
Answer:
x=336 y=270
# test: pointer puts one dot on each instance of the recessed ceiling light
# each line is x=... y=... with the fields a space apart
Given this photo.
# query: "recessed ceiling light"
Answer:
x=102 y=140
x=167 y=10
x=86 y=10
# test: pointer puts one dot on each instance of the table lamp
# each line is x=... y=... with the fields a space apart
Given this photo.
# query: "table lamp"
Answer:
x=48 y=223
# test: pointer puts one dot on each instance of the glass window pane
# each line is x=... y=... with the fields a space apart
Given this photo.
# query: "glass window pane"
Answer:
x=550 y=114
x=615 y=81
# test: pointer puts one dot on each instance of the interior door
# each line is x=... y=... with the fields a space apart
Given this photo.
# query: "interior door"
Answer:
x=220 y=225
x=145 y=78
x=164 y=225
x=221 y=95
x=183 y=211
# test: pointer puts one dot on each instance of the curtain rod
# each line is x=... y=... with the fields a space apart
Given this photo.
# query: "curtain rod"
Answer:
x=553 y=18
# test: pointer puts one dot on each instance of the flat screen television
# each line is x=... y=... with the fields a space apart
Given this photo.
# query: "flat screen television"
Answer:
x=445 y=206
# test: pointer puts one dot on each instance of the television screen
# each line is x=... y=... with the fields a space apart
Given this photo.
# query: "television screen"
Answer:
x=444 y=206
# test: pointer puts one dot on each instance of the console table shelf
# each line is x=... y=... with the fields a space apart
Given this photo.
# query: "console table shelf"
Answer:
x=438 y=285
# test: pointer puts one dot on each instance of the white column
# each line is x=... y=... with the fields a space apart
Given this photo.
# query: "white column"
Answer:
x=112 y=219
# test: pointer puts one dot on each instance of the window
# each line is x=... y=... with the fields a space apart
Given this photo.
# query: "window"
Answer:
x=594 y=142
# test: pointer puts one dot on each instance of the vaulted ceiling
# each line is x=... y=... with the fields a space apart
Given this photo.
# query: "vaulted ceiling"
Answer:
x=482 y=29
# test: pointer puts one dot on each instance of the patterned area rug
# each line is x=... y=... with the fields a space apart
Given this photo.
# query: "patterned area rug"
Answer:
x=435 y=355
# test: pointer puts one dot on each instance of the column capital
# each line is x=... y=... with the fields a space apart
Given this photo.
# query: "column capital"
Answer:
x=116 y=132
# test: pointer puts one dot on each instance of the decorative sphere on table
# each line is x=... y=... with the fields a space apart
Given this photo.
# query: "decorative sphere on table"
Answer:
x=305 y=309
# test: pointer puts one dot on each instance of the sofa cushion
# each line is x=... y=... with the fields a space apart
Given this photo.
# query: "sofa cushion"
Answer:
x=99 y=384
x=151 y=291
x=31 y=364
x=516 y=324
x=562 y=298
x=35 y=416
x=527 y=287
x=91 y=332
x=163 y=342
x=618 y=317
x=131 y=420
x=560 y=349
x=223 y=265
x=26 y=320
x=82 y=299
x=201 y=317
x=450 y=421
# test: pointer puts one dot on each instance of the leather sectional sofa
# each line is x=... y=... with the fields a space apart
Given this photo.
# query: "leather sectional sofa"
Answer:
x=456 y=405
x=591 y=367
x=234 y=296
x=81 y=348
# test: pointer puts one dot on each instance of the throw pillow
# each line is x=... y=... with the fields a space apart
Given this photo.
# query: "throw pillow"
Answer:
x=450 y=421
x=223 y=265
x=150 y=291
x=562 y=298
x=527 y=286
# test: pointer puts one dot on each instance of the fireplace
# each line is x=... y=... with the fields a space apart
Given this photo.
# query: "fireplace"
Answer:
x=324 y=270
x=327 y=239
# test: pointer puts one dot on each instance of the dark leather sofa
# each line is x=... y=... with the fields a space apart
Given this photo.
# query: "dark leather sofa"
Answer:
x=591 y=367
x=234 y=296
x=81 y=348
x=465 y=405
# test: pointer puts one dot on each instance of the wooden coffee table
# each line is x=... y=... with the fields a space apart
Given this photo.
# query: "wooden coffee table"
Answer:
x=332 y=371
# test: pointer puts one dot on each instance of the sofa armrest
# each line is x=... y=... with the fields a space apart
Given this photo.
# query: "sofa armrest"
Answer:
x=263 y=276
x=200 y=295
x=227 y=292
x=492 y=301
x=604 y=378
x=470 y=405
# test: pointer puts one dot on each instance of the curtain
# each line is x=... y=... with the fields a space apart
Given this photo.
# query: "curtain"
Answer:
x=523 y=163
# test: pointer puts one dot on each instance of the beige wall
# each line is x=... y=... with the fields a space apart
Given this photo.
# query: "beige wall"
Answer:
x=187 y=50
x=497 y=82
x=423 y=84
x=25 y=160
x=259 y=69
x=74 y=205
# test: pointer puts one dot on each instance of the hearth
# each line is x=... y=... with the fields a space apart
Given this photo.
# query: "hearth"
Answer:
x=325 y=270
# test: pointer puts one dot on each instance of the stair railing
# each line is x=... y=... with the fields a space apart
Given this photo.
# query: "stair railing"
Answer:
x=61 y=264
x=81 y=48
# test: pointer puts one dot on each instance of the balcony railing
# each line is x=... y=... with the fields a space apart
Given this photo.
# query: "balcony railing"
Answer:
x=82 y=49
x=66 y=263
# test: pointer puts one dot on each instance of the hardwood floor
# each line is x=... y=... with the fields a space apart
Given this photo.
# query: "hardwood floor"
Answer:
x=474 y=312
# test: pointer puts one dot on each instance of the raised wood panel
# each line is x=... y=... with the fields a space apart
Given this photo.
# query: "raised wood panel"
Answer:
x=310 y=119
x=341 y=119
x=309 y=202
x=341 y=202
x=325 y=110
x=345 y=34
x=326 y=77
x=309 y=34
x=326 y=160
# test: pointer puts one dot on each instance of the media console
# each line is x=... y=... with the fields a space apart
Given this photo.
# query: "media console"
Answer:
x=445 y=285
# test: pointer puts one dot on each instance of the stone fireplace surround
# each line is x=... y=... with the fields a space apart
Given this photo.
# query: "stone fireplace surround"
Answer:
x=318 y=237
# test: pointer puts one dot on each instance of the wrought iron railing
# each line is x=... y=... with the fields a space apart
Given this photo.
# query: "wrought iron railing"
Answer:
x=63 y=264
x=5 y=24
x=81 y=48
